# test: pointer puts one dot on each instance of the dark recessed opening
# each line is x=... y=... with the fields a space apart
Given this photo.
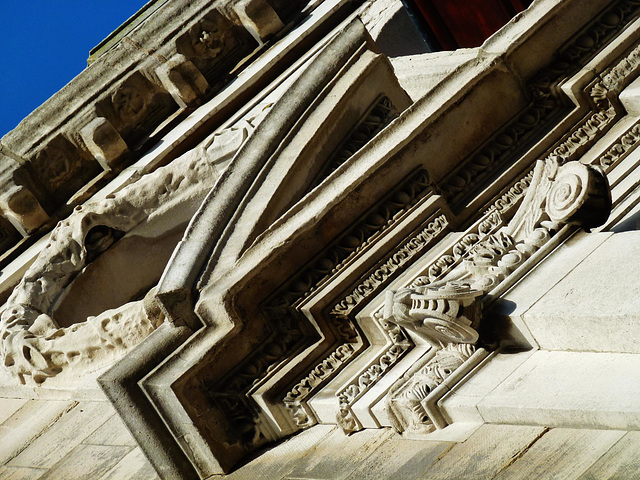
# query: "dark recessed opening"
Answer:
x=452 y=24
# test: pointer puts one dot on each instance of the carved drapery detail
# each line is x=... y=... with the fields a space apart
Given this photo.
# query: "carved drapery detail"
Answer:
x=32 y=344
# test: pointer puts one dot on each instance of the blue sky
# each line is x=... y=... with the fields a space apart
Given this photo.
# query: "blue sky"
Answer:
x=45 y=43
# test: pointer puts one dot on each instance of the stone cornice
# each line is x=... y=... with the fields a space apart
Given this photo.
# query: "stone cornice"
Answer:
x=156 y=73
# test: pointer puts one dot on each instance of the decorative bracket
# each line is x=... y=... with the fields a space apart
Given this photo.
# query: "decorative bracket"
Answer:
x=447 y=311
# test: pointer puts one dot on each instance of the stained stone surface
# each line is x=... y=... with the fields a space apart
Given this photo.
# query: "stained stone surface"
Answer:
x=561 y=453
x=619 y=462
x=69 y=440
x=322 y=452
x=63 y=436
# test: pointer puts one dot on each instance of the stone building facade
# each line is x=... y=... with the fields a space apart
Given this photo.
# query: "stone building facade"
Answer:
x=279 y=239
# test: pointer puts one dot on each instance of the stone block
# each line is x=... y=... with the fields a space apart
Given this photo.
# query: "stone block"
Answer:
x=400 y=458
x=63 y=436
x=569 y=389
x=86 y=461
x=419 y=74
x=630 y=98
x=104 y=142
x=259 y=18
x=460 y=404
x=560 y=454
x=276 y=461
x=485 y=453
x=595 y=306
x=338 y=455
x=20 y=473
x=112 y=432
x=182 y=79
x=133 y=466
x=22 y=209
x=619 y=462
x=9 y=406
x=27 y=423
x=547 y=274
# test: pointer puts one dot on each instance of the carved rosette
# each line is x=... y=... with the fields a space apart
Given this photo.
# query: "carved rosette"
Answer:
x=579 y=195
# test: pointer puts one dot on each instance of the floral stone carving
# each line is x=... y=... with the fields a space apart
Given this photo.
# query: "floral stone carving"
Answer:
x=446 y=311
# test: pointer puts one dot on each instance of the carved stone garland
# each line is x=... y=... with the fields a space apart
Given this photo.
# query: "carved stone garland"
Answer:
x=32 y=345
x=446 y=312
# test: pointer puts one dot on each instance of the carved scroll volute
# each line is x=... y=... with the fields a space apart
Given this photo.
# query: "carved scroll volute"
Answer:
x=439 y=315
x=580 y=195
x=448 y=311
x=573 y=193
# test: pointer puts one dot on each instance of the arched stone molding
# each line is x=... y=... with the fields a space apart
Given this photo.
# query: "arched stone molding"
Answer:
x=35 y=344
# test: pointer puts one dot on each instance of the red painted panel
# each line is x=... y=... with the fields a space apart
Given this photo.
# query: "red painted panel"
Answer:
x=467 y=23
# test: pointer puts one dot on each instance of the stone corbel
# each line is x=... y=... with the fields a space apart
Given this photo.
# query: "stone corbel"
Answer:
x=259 y=18
x=104 y=142
x=446 y=312
x=438 y=314
x=22 y=209
x=182 y=79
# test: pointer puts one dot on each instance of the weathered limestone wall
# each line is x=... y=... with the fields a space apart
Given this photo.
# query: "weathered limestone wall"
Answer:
x=62 y=439
x=86 y=440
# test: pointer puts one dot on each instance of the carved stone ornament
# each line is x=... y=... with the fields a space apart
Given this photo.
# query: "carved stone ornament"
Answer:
x=407 y=405
x=33 y=345
x=444 y=314
x=446 y=311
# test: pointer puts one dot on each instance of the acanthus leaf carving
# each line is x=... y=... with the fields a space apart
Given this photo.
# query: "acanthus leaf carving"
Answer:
x=446 y=312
